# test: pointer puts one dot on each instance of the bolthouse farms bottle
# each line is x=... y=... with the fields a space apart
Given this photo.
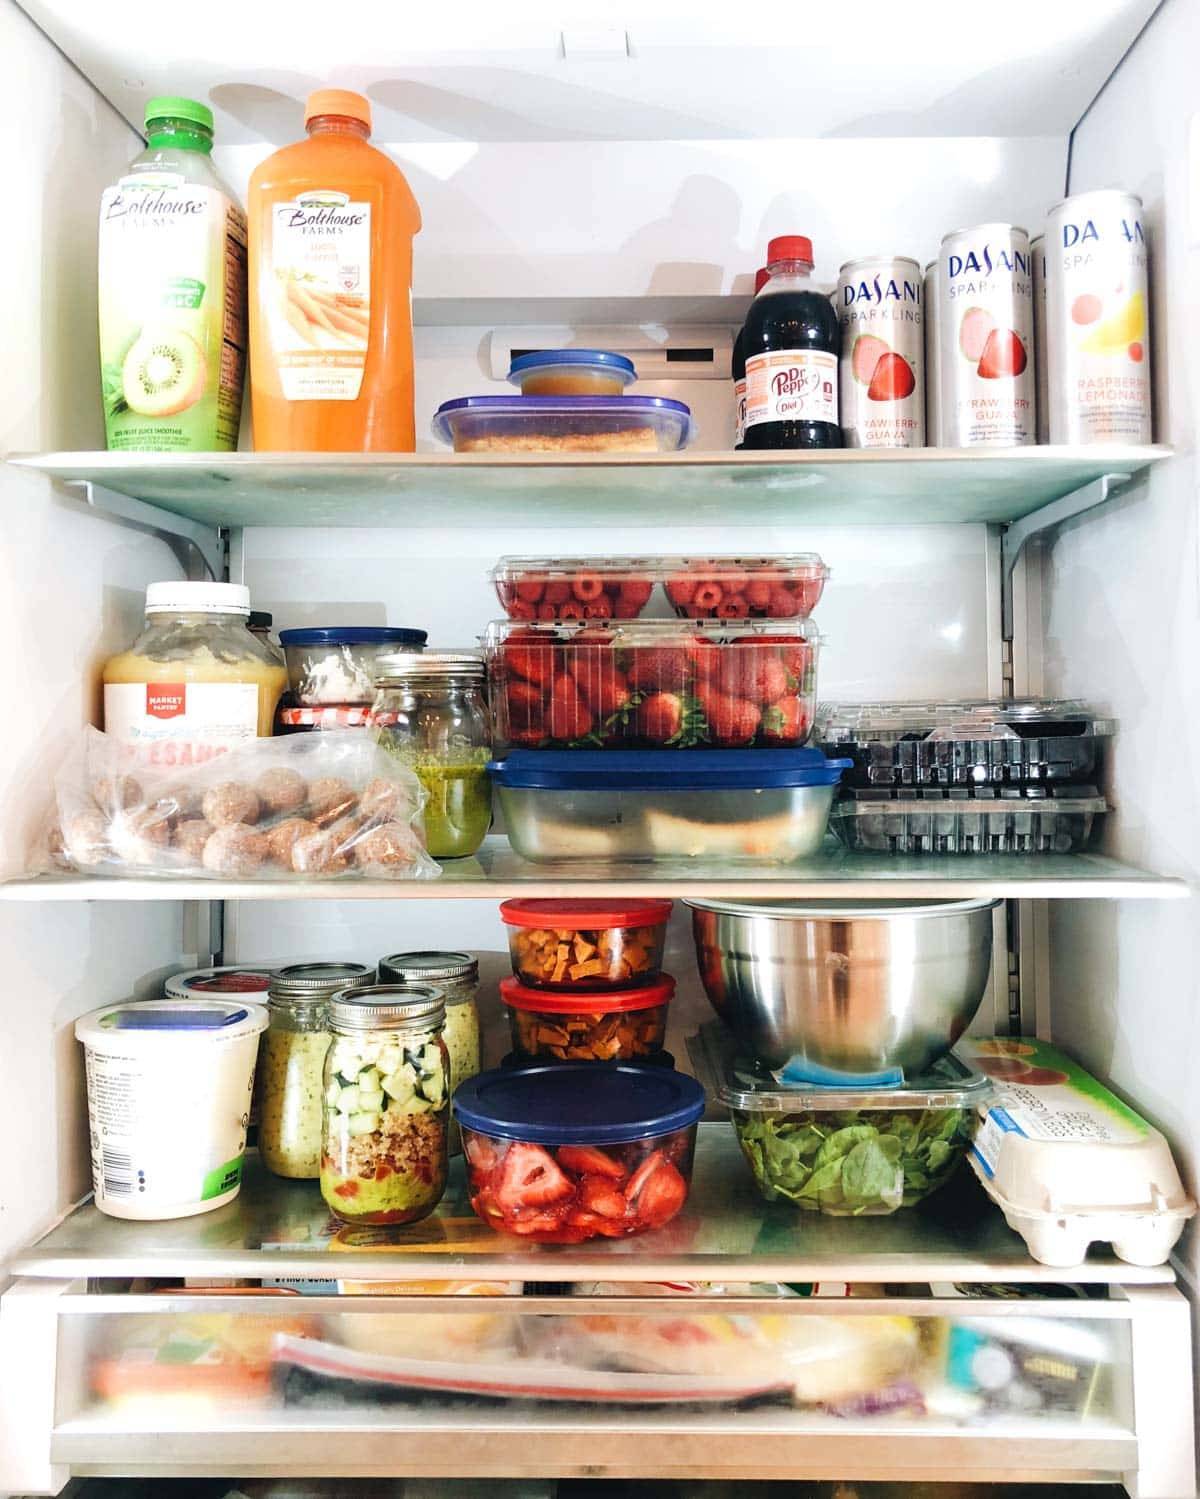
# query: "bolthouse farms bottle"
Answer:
x=790 y=339
x=881 y=313
x=985 y=334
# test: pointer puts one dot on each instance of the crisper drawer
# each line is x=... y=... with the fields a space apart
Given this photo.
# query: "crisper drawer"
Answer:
x=733 y=1386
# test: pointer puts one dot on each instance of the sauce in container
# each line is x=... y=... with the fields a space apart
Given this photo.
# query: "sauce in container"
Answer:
x=572 y=372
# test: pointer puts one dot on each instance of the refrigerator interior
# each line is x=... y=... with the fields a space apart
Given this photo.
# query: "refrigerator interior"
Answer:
x=569 y=202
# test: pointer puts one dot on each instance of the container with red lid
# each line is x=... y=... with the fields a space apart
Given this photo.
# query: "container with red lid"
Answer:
x=623 y=1026
x=586 y=944
x=296 y=720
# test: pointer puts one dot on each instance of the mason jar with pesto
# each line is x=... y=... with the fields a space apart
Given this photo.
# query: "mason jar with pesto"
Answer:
x=384 y=1144
x=293 y=1061
x=456 y=974
x=430 y=711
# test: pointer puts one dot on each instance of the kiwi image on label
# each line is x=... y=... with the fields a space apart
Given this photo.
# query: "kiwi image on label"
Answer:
x=163 y=373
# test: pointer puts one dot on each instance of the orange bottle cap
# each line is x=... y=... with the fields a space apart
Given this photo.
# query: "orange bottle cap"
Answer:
x=337 y=101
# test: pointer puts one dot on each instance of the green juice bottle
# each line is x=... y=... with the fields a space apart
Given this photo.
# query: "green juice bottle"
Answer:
x=172 y=293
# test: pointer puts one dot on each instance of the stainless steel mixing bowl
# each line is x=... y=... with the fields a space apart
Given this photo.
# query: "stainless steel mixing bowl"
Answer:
x=849 y=986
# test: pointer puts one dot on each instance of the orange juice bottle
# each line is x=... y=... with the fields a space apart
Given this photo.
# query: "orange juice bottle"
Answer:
x=331 y=229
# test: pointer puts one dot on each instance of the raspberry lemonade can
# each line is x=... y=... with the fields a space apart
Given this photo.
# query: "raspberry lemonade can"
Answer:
x=1097 y=324
x=880 y=307
x=985 y=334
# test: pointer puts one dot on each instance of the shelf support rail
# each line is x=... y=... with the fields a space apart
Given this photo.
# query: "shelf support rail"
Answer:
x=188 y=539
x=1016 y=535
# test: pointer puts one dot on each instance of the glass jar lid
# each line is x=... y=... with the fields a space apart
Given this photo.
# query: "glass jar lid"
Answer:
x=400 y=669
x=407 y=968
x=388 y=1007
x=316 y=981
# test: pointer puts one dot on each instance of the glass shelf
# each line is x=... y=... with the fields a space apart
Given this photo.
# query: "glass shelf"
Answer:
x=281 y=1229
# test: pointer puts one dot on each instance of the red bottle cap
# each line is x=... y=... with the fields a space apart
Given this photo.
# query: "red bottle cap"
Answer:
x=761 y=277
x=790 y=247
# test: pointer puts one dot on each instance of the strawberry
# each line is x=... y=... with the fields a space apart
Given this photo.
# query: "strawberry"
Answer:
x=601 y=682
x=530 y=590
x=656 y=1191
x=753 y=670
x=660 y=717
x=785 y=722
x=481 y=1153
x=530 y=1178
x=659 y=669
x=589 y=1160
x=569 y=716
x=758 y=593
x=795 y=653
x=731 y=721
x=600 y=1195
x=526 y=709
x=681 y=590
x=705 y=656
x=534 y=662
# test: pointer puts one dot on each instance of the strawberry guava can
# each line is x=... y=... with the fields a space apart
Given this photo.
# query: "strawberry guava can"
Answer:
x=987 y=392
x=1097 y=320
x=881 y=311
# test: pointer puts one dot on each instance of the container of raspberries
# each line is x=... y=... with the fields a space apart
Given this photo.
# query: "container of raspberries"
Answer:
x=652 y=684
x=565 y=588
x=781 y=587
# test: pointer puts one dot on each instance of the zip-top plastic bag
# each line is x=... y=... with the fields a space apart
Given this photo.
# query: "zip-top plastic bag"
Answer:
x=333 y=805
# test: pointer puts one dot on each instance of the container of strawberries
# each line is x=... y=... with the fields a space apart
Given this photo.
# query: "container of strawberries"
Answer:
x=653 y=684
x=575 y=1151
x=556 y=588
x=780 y=587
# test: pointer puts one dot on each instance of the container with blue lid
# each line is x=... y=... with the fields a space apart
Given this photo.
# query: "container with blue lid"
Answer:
x=338 y=665
x=563 y=424
x=578 y=1103
x=754 y=805
x=572 y=372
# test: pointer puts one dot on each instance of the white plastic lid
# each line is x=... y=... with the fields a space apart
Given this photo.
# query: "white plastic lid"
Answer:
x=198 y=598
x=138 y=1024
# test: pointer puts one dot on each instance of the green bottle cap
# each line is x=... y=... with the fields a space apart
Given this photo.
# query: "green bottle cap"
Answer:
x=169 y=107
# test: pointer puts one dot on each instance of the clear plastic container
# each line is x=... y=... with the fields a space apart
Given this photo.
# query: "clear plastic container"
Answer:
x=969 y=820
x=569 y=1152
x=653 y=684
x=563 y=424
x=1003 y=742
x=846 y=1152
x=754 y=805
x=586 y=944
x=619 y=1027
x=554 y=588
x=781 y=587
x=572 y=372
x=336 y=667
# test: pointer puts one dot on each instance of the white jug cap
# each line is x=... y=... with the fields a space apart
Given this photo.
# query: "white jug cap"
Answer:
x=198 y=598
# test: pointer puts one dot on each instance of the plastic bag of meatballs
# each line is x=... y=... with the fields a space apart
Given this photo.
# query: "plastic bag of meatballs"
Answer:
x=314 y=806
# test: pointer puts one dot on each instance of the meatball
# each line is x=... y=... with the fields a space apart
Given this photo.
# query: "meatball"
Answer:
x=234 y=849
x=86 y=838
x=138 y=837
x=185 y=799
x=282 y=838
x=117 y=793
x=190 y=837
x=386 y=801
x=281 y=789
x=329 y=798
x=229 y=802
x=320 y=853
x=387 y=849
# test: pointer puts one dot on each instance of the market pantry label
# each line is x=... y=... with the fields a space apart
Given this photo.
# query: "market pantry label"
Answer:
x=181 y=723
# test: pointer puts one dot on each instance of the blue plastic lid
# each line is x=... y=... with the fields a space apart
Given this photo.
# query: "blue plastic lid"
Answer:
x=673 y=770
x=578 y=1103
x=355 y=635
x=595 y=359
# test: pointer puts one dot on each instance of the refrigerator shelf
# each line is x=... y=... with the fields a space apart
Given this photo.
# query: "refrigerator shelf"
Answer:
x=281 y=1229
x=497 y=872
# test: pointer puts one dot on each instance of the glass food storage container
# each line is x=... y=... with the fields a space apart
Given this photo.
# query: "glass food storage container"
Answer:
x=338 y=667
x=564 y=1153
x=563 y=424
x=553 y=588
x=586 y=944
x=653 y=684
x=627 y=1025
x=293 y=1061
x=572 y=372
x=430 y=711
x=384 y=1147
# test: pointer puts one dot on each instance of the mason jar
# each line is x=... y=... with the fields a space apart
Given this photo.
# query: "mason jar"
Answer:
x=457 y=975
x=430 y=711
x=384 y=1145
x=292 y=1062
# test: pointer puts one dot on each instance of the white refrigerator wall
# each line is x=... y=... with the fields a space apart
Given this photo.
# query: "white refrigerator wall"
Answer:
x=71 y=589
x=1122 y=629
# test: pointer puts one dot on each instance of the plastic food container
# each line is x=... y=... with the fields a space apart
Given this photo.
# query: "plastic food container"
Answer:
x=1005 y=742
x=572 y=372
x=169 y=1084
x=565 y=1153
x=246 y=980
x=969 y=820
x=653 y=684
x=337 y=667
x=848 y=1152
x=621 y=1027
x=556 y=588
x=586 y=944
x=563 y=424
x=755 y=805
x=1069 y=1163
x=781 y=587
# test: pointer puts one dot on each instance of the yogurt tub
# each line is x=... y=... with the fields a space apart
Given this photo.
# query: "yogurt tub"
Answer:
x=169 y=1084
x=248 y=980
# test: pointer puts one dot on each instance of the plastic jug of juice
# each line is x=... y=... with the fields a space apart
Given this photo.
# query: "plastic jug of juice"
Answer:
x=332 y=221
x=172 y=292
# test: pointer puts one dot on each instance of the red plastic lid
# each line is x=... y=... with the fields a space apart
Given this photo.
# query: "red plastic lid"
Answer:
x=790 y=247
x=331 y=716
x=584 y=915
x=761 y=277
x=518 y=996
